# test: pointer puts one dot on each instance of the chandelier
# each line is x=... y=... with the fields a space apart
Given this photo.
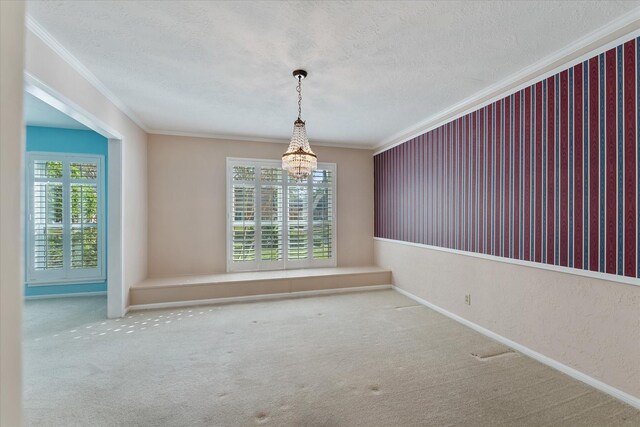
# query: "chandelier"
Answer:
x=299 y=161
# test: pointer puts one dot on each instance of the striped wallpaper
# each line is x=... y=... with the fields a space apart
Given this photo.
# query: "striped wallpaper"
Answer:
x=548 y=174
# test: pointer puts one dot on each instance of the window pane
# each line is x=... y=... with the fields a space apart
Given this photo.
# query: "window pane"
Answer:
x=322 y=176
x=271 y=249
x=84 y=246
x=271 y=203
x=244 y=248
x=298 y=217
x=271 y=174
x=243 y=203
x=298 y=204
x=44 y=169
x=84 y=170
x=244 y=173
x=298 y=242
x=48 y=248
x=322 y=222
x=84 y=204
x=47 y=203
x=322 y=204
x=271 y=222
x=322 y=243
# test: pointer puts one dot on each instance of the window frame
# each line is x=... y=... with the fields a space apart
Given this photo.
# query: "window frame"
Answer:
x=285 y=263
x=65 y=275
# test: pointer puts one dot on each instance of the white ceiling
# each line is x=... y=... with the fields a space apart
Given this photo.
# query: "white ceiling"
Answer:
x=375 y=68
x=39 y=113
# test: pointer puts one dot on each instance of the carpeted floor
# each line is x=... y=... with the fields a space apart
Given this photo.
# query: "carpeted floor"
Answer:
x=361 y=359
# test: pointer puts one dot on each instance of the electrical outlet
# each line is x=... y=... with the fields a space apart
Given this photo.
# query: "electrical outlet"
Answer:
x=467 y=299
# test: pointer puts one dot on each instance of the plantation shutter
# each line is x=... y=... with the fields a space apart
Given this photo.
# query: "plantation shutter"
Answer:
x=276 y=222
x=271 y=216
x=65 y=225
x=244 y=207
x=84 y=215
x=322 y=209
x=47 y=216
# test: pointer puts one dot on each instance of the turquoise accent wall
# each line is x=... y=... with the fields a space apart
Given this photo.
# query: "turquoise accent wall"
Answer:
x=78 y=142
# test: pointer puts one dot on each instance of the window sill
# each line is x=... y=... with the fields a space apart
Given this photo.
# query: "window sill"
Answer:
x=65 y=282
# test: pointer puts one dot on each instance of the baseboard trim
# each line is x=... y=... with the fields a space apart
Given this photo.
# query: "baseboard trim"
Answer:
x=253 y=298
x=70 y=295
x=597 y=384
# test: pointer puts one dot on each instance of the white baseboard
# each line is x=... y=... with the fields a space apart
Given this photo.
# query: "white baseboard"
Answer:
x=251 y=298
x=75 y=294
x=597 y=384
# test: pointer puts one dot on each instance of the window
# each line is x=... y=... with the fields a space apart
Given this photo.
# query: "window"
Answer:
x=65 y=218
x=276 y=222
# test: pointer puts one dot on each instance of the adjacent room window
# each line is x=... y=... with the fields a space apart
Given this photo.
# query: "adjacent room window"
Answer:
x=276 y=222
x=65 y=218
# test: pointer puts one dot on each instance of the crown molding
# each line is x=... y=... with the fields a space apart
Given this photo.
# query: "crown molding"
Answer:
x=46 y=37
x=616 y=32
x=205 y=135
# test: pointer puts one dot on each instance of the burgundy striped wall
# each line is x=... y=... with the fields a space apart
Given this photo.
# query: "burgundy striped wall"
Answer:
x=548 y=174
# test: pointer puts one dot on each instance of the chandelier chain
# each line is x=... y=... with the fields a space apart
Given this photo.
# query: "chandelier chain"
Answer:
x=299 y=90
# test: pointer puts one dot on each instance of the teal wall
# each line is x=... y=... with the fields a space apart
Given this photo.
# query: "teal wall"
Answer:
x=69 y=141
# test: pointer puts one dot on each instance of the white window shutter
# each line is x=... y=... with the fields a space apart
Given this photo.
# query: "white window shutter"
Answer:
x=276 y=222
x=65 y=219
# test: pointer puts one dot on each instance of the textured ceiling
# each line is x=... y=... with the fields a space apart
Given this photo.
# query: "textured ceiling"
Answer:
x=375 y=68
x=39 y=113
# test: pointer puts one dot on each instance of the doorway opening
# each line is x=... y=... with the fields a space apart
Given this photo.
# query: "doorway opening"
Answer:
x=73 y=208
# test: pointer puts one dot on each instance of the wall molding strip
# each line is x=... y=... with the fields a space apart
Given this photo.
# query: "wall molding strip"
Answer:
x=573 y=373
x=613 y=34
x=557 y=268
x=255 y=139
x=255 y=298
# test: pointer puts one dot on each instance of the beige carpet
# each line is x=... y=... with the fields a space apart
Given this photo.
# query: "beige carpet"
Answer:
x=361 y=359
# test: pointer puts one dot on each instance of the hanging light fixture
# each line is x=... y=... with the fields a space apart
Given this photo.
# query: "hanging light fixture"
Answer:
x=299 y=160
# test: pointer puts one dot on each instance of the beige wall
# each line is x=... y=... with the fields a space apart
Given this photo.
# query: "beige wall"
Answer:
x=11 y=161
x=187 y=229
x=588 y=324
x=46 y=65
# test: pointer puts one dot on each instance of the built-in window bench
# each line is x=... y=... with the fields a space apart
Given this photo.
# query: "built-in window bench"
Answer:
x=228 y=287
